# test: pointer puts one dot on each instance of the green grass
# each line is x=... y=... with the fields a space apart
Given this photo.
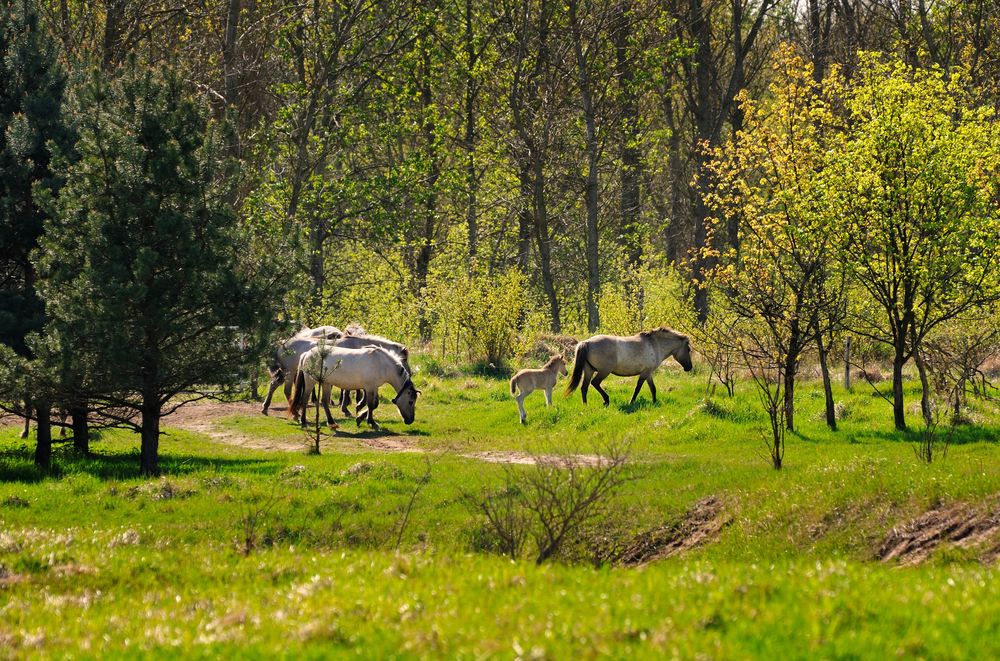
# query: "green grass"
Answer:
x=97 y=561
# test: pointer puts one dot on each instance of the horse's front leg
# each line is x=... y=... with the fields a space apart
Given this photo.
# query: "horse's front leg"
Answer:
x=548 y=396
x=652 y=386
x=345 y=402
x=360 y=397
x=638 y=387
x=271 y=387
x=27 y=418
x=326 y=405
x=600 y=376
x=371 y=399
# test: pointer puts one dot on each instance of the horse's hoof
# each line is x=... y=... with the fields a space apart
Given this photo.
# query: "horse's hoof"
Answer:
x=524 y=421
x=263 y=411
x=24 y=434
x=606 y=403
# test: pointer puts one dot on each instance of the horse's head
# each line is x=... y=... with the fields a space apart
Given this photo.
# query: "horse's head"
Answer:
x=683 y=354
x=406 y=401
x=673 y=344
x=559 y=362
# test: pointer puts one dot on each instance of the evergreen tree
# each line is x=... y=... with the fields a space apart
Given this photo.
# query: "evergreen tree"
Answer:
x=32 y=86
x=142 y=277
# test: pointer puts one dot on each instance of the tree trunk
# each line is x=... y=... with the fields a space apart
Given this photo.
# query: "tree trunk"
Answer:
x=704 y=75
x=43 y=436
x=229 y=50
x=791 y=363
x=847 y=364
x=592 y=183
x=430 y=192
x=679 y=189
x=81 y=430
x=630 y=157
x=149 y=454
x=526 y=212
x=544 y=249
x=470 y=135
x=925 y=388
x=898 y=411
x=824 y=368
x=114 y=15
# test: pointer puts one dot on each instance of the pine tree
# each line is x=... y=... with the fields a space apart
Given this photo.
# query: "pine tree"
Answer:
x=141 y=258
x=32 y=87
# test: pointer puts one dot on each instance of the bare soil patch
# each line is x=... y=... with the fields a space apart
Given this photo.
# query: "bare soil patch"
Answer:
x=527 y=459
x=204 y=418
x=699 y=525
x=955 y=524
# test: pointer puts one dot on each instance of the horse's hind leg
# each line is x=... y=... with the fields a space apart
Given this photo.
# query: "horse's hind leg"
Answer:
x=600 y=376
x=520 y=407
x=345 y=402
x=588 y=374
x=652 y=386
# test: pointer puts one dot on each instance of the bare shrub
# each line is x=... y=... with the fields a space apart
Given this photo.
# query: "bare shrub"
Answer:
x=550 y=502
x=404 y=515
x=254 y=511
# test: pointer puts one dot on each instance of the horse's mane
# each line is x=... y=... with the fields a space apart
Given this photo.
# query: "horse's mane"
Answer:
x=553 y=360
x=355 y=329
x=648 y=333
x=396 y=358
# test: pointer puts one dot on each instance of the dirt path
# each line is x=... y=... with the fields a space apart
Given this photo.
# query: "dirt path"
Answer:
x=204 y=419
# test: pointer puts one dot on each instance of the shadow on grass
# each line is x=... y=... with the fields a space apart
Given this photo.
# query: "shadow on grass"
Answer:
x=639 y=405
x=17 y=464
x=345 y=431
x=961 y=435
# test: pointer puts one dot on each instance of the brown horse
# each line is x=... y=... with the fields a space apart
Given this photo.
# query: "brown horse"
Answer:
x=637 y=355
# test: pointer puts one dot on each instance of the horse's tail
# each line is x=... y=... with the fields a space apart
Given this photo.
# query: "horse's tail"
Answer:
x=298 y=395
x=513 y=385
x=578 y=362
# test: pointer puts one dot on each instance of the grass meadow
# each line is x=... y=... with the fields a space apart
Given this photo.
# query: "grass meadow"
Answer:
x=371 y=549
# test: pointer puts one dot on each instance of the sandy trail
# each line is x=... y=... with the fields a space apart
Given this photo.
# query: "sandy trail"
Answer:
x=205 y=419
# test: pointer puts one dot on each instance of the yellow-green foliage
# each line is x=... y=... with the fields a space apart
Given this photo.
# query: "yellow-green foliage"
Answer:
x=380 y=297
x=481 y=313
x=647 y=298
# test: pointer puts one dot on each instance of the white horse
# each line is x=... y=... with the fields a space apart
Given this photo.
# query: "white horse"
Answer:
x=357 y=338
x=527 y=381
x=352 y=369
x=284 y=365
x=331 y=333
x=637 y=355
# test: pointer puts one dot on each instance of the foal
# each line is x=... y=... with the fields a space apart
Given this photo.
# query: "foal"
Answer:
x=530 y=380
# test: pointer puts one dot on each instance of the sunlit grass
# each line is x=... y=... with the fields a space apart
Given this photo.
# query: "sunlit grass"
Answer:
x=94 y=558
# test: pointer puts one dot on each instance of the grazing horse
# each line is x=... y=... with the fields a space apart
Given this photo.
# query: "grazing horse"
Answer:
x=357 y=338
x=545 y=379
x=284 y=365
x=352 y=369
x=331 y=333
x=638 y=355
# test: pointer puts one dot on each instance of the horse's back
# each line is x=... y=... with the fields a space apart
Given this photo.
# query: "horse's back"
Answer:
x=623 y=356
x=352 y=368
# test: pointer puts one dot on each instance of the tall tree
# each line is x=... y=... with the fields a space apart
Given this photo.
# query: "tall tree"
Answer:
x=32 y=86
x=916 y=186
x=140 y=256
